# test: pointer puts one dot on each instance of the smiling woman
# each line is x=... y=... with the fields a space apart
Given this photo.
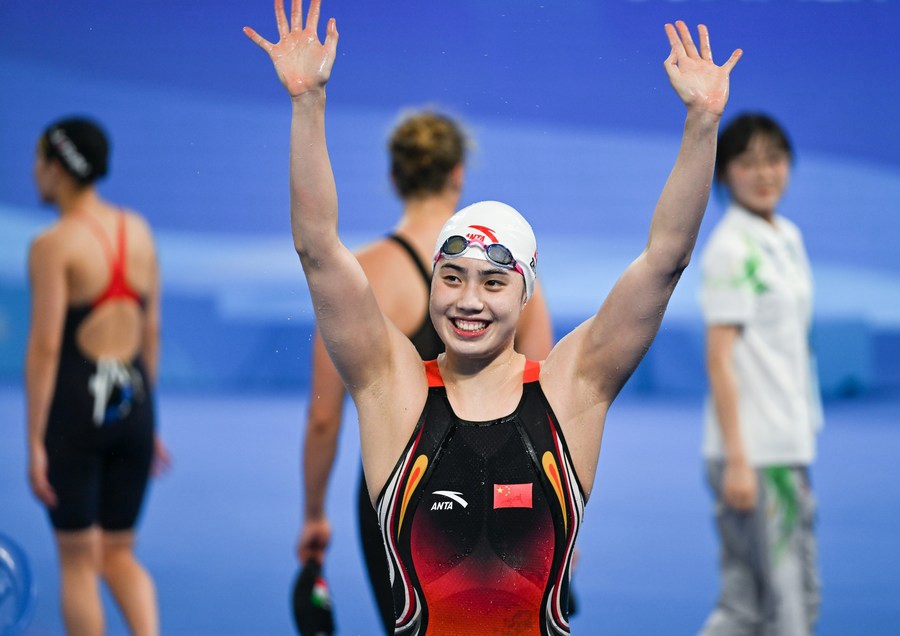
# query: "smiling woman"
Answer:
x=518 y=440
x=485 y=261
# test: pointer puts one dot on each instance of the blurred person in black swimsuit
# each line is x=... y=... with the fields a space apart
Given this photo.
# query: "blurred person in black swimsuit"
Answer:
x=90 y=369
x=427 y=154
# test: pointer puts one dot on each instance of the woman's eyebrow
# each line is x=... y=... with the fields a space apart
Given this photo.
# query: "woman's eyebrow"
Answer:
x=494 y=271
x=485 y=272
x=453 y=266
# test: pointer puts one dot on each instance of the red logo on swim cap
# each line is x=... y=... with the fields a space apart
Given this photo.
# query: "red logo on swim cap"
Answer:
x=487 y=232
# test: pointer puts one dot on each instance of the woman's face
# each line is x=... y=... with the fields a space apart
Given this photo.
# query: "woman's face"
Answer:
x=475 y=305
x=758 y=177
x=43 y=176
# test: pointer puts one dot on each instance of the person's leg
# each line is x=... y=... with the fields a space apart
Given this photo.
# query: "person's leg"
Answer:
x=792 y=587
x=738 y=611
x=125 y=471
x=809 y=554
x=129 y=582
x=73 y=472
x=375 y=556
x=79 y=562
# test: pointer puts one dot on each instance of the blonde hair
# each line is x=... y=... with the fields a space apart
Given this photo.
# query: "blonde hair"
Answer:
x=424 y=149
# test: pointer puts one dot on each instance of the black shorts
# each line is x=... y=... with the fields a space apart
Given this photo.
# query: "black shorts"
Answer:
x=99 y=471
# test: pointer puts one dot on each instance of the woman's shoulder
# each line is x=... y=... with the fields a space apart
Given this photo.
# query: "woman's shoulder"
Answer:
x=56 y=235
x=387 y=257
x=135 y=219
x=788 y=226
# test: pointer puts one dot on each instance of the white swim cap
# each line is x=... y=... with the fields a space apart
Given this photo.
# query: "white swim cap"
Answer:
x=489 y=223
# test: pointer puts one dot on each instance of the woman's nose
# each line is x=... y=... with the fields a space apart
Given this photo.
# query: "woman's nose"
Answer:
x=470 y=298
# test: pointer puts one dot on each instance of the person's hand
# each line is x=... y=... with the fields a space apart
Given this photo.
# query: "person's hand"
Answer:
x=162 y=459
x=314 y=540
x=697 y=80
x=739 y=485
x=37 y=476
x=303 y=63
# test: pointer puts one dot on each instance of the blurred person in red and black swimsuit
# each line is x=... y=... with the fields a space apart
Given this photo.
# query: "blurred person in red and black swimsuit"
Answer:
x=90 y=368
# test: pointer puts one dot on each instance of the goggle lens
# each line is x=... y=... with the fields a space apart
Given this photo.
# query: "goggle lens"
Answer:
x=496 y=253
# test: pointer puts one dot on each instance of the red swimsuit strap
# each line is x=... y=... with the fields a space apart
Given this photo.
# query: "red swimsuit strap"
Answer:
x=433 y=374
x=118 y=287
x=532 y=372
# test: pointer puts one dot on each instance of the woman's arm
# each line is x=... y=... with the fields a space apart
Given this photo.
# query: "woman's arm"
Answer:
x=588 y=368
x=739 y=486
x=323 y=424
x=151 y=331
x=162 y=459
x=376 y=362
x=605 y=350
x=353 y=329
x=47 y=276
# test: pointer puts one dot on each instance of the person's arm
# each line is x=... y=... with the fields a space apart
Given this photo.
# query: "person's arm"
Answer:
x=323 y=425
x=588 y=368
x=47 y=276
x=151 y=331
x=609 y=346
x=352 y=327
x=739 y=483
x=150 y=336
x=374 y=359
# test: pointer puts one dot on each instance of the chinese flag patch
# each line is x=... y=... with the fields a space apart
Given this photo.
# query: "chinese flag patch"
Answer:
x=512 y=496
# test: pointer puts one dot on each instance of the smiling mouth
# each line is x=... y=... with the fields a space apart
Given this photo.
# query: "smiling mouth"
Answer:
x=469 y=327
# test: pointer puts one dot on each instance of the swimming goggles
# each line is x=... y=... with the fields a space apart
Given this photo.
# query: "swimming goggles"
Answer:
x=496 y=253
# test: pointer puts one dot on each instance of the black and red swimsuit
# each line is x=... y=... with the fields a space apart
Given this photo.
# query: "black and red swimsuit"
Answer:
x=480 y=520
x=100 y=427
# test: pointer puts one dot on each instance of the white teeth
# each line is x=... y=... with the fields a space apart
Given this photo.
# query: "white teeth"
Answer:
x=469 y=325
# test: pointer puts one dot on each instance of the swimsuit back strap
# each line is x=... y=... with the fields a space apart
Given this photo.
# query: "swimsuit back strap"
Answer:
x=93 y=225
x=402 y=242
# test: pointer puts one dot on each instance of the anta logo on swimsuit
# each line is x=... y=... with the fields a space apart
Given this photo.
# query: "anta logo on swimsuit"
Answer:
x=450 y=497
x=480 y=233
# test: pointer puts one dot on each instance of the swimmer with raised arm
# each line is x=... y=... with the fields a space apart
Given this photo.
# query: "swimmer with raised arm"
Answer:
x=512 y=444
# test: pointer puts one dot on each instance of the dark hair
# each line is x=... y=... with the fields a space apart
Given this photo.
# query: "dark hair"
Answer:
x=80 y=146
x=735 y=137
x=424 y=148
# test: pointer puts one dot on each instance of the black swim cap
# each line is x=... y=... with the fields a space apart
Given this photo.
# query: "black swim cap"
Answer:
x=81 y=147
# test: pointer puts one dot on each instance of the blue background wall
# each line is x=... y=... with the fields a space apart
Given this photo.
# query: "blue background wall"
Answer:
x=575 y=125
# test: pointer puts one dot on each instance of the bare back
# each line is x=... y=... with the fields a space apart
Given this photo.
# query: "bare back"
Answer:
x=397 y=284
x=114 y=329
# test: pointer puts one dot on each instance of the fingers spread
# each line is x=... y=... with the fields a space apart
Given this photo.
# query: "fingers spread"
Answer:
x=281 y=19
x=312 y=18
x=331 y=36
x=297 y=14
x=686 y=39
x=677 y=47
x=732 y=60
x=260 y=41
x=671 y=63
x=705 y=48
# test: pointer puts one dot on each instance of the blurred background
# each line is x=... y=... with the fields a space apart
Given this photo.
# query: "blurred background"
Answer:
x=575 y=125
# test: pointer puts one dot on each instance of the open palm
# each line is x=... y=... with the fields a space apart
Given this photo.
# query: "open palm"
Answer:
x=692 y=72
x=302 y=62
